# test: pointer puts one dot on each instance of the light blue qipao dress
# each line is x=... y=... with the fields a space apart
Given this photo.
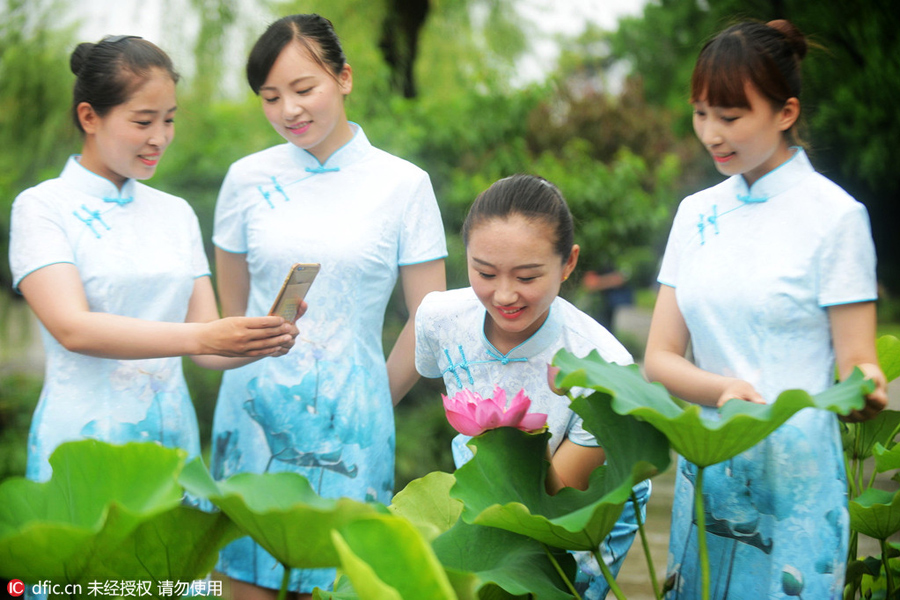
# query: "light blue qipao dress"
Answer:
x=138 y=253
x=450 y=343
x=754 y=271
x=323 y=410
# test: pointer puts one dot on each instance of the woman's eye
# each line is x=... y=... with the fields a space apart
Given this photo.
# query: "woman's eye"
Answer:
x=485 y=275
x=143 y=123
x=527 y=279
x=304 y=92
x=271 y=100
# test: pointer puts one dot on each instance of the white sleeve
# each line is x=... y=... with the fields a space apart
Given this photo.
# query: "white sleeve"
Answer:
x=422 y=230
x=37 y=236
x=230 y=228
x=426 y=339
x=846 y=264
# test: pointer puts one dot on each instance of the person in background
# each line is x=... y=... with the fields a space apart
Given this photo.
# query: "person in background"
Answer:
x=504 y=330
x=770 y=277
x=116 y=272
x=325 y=410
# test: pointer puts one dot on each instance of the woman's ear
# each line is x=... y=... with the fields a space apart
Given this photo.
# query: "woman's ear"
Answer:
x=789 y=114
x=87 y=117
x=570 y=263
x=345 y=79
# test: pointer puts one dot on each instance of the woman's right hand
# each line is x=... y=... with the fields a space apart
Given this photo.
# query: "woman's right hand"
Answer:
x=740 y=389
x=248 y=337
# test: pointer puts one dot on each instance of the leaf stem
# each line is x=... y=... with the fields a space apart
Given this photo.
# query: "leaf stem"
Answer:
x=887 y=568
x=607 y=574
x=700 y=515
x=285 y=580
x=561 y=573
x=646 y=544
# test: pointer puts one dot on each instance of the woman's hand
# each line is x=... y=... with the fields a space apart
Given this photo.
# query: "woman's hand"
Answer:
x=740 y=389
x=248 y=337
x=876 y=401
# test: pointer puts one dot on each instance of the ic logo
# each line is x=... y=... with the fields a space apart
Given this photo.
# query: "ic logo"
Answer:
x=15 y=588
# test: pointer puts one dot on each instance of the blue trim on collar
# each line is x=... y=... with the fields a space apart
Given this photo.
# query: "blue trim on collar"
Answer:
x=86 y=181
x=346 y=155
x=778 y=180
x=546 y=334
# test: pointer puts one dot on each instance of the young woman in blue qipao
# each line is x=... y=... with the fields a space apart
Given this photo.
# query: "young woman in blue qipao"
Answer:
x=505 y=329
x=327 y=196
x=116 y=272
x=770 y=277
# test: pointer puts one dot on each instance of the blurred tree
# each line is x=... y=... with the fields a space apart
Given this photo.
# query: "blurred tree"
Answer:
x=36 y=134
x=851 y=76
x=400 y=41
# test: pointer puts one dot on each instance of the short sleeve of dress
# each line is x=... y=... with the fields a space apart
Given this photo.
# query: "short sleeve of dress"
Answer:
x=846 y=264
x=668 y=271
x=199 y=260
x=579 y=435
x=426 y=342
x=229 y=230
x=37 y=236
x=422 y=231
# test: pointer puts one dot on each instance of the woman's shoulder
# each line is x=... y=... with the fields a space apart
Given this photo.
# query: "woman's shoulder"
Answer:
x=393 y=163
x=582 y=333
x=448 y=306
x=450 y=301
x=263 y=162
x=162 y=200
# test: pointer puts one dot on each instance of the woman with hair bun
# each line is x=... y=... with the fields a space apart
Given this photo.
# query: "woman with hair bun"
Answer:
x=116 y=272
x=770 y=277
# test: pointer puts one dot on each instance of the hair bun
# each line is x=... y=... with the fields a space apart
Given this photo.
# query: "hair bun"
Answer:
x=794 y=37
x=79 y=56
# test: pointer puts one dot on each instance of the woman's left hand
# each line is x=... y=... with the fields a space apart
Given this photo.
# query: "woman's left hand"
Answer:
x=876 y=401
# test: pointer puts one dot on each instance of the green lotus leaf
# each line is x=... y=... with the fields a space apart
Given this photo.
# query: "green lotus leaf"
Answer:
x=281 y=512
x=343 y=590
x=888 y=349
x=699 y=439
x=886 y=460
x=515 y=564
x=860 y=439
x=876 y=513
x=386 y=557
x=427 y=504
x=503 y=485
x=365 y=580
x=108 y=512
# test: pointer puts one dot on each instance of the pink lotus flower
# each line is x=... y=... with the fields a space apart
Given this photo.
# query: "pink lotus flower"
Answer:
x=470 y=414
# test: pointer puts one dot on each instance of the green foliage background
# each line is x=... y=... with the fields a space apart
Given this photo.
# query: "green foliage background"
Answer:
x=622 y=157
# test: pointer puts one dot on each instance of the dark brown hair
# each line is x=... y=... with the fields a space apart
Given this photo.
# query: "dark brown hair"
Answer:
x=108 y=72
x=768 y=55
x=532 y=197
x=314 y=32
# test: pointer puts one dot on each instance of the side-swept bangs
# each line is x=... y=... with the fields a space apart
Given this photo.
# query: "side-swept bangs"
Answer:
x=721 y=72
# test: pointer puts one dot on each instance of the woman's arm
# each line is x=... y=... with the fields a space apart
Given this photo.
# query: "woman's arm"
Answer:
x=853 y=337
x=572 y=465
x=665 y=362
x=233 y=282
x=418 y=280
x=202 y=309
x=56 y=295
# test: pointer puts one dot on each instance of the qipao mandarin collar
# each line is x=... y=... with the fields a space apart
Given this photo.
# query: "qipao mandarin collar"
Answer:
x=346 y=155
x=88 y=182
x=778 y=180
x=546 y=335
